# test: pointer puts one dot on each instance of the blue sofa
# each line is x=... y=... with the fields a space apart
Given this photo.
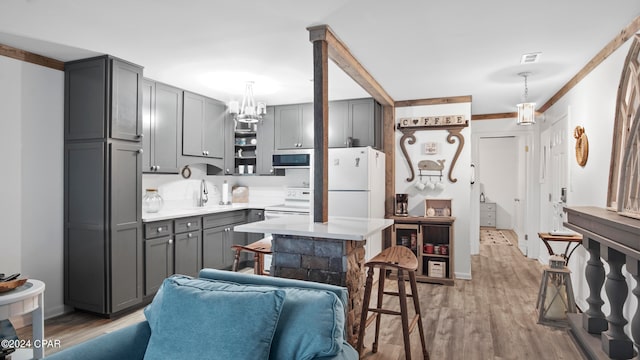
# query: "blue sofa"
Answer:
x=229 y=315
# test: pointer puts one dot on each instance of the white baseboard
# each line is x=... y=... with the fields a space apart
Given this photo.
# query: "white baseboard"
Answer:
x=463 y=276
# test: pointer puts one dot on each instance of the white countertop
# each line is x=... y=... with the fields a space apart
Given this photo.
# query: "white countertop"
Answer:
x=174 y=213
x=340 y=228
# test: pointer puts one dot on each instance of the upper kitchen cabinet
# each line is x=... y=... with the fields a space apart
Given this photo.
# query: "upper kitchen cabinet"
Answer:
x=202 y=124
x=107 y=99
x=266 y=143
x=294 y=126
x=355 y=123
x=161 y=119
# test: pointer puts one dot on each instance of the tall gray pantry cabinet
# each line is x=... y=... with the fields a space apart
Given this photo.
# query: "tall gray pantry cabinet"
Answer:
x=103 y=270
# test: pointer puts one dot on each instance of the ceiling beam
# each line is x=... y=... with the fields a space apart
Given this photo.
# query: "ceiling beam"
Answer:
x=509 y=115
x=340 y=54
x=434 y=101
x=32 y=58
x=612 y=46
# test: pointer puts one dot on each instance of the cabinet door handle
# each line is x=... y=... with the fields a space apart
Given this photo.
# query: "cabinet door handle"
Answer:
x=160 y=229
x=170 y=241
x=189 y=235
x=157 y=167
x=140 y=136
x=188 y=224
x=140 y=151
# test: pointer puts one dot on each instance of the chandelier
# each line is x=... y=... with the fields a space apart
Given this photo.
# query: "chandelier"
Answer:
x=249 y=112
x=526 y=110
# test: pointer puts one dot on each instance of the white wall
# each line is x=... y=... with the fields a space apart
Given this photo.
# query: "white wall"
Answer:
x=459 y=192
x=31 y=147
x=591 y=104
x=497 y=176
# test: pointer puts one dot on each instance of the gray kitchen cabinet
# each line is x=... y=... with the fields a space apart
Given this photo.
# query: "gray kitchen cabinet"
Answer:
x=103 y=249
x=158 y=263
x=188 y=246
x=103 y=99
x=158 y=254
x=218 y=236
x=266 y=143
x=212 y=247
x=253 y=216
x=216 y=246
x=161 y=120
x=203 y=119
x=294 y=126
x=338 y=119
x=355 y=123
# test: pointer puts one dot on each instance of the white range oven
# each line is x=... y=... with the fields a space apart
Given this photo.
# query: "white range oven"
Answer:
x=297 y=201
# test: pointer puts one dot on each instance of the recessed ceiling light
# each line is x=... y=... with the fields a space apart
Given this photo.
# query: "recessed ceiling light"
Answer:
x=530 y=58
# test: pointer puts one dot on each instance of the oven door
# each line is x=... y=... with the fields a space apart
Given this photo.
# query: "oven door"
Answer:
x=274 y=214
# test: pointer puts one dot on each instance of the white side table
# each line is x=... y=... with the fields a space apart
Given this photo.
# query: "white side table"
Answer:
x=28 y=298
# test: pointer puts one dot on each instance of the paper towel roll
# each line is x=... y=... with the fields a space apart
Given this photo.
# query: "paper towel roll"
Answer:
x=225 y=192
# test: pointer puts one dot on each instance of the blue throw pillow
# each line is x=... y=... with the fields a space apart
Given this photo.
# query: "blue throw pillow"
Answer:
x=196 y=322
x=311 y=323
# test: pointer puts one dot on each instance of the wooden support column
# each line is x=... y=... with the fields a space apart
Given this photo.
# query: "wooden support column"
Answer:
x=326 y=45
x=320 y=131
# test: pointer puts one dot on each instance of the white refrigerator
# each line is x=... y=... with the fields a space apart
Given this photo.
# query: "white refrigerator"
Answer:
x=356 y=187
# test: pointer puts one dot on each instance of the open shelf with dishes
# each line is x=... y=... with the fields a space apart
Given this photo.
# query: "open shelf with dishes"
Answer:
x=245 y=149
x=431 y=240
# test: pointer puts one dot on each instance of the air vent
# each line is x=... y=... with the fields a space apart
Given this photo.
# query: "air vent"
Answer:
x=530 y=58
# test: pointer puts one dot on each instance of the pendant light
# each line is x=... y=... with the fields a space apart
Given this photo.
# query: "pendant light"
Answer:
x=249 y=112
x=526 y=110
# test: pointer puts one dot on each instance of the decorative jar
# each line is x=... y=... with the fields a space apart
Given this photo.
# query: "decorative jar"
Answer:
x=152 y=201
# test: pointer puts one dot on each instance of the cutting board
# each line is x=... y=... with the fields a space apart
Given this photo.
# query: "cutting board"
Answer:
x=240 y=194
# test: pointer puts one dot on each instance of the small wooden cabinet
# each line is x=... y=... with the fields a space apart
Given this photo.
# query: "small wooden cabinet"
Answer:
x=431 y=240
x=488 y=214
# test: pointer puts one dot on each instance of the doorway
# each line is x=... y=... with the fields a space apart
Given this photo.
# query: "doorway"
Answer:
x=505 y=177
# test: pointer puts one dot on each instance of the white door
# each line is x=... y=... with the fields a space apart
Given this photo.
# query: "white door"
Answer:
x=520 y=200
x=558 y=174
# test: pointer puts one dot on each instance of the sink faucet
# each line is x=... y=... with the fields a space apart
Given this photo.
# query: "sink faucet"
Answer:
x=203 y=193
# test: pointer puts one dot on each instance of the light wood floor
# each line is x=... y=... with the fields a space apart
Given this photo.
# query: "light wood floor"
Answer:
x=491 y=317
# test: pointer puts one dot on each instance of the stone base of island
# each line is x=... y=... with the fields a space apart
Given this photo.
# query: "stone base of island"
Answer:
x=330 y=253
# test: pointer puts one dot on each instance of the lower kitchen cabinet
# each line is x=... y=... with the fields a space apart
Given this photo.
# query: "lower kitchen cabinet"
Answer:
x=216 y=246
x=158 y=263
x=186 y=245
x=187 y=253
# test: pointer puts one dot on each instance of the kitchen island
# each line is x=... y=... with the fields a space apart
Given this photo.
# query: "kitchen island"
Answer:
x=331 y=253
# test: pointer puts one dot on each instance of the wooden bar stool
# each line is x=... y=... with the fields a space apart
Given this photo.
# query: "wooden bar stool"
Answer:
x=404 y=261
x=259 y=249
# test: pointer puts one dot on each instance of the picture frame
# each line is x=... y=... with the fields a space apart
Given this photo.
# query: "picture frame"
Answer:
x=430 y=148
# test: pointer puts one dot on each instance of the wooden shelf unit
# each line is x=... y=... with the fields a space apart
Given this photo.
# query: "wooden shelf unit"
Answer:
x=436 y=230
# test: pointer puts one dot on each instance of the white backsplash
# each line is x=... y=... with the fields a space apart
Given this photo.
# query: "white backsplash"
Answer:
x=180 y=193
